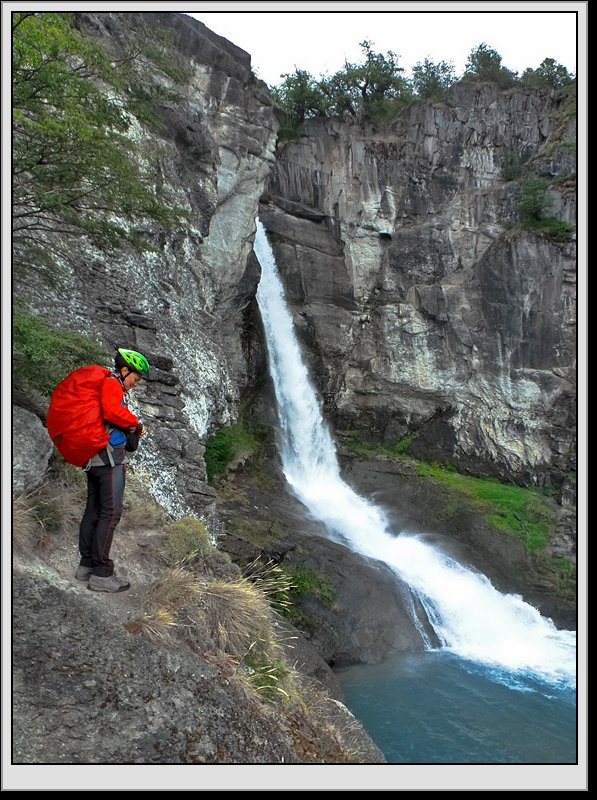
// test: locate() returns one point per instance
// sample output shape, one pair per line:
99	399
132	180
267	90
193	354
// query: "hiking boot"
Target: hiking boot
112	583
83	573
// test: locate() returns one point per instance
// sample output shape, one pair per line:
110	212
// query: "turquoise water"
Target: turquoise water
436	708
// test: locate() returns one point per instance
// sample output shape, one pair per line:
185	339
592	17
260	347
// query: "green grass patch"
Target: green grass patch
566	570
554	229
360	444
271	677
307	582
513	509
229	443
44	355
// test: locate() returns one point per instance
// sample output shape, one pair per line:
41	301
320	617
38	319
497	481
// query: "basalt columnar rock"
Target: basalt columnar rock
424	310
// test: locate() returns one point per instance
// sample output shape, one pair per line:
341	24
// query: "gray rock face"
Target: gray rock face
462	529
31	449
423	313
368	618
89	692
184	304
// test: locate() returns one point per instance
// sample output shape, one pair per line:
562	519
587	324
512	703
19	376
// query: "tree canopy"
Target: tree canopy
376	88
366	89
76	166
299	93
549	73
431	80
485	64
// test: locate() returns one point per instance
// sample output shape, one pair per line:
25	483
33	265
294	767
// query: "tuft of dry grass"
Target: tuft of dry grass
271	580
27	530
334	720
157	625
229	615
174	589
237	616
271	677
184	541
170	604
54	507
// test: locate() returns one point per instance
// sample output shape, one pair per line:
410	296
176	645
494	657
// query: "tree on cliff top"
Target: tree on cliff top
75	165
300	98
485	64
370	90
432	80
548	73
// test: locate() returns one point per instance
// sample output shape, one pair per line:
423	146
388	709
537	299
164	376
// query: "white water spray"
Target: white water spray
470	617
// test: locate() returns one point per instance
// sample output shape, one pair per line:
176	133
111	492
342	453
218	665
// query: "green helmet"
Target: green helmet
134	361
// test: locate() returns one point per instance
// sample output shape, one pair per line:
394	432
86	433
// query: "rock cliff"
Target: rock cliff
183	303
426	312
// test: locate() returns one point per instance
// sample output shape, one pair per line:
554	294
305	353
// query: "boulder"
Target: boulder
31	450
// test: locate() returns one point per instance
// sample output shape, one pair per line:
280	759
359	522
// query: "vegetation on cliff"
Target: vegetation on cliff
527	513
77	163
376	90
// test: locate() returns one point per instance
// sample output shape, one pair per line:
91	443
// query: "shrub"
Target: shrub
532	205
184	541
43	355
511	166
228	444
555	229
534	199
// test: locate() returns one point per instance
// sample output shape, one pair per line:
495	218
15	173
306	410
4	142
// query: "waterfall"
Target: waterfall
470	617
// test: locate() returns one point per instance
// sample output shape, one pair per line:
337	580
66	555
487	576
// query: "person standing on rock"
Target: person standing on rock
106	475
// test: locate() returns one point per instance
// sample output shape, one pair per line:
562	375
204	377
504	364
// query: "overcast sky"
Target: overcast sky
320	40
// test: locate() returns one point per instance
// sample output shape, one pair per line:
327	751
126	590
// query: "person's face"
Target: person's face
131	380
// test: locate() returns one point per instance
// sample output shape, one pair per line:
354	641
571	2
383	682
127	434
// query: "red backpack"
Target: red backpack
75	419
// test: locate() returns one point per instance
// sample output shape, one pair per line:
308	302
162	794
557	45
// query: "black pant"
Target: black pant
105	493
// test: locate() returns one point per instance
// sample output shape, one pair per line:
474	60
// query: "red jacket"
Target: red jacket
114	407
